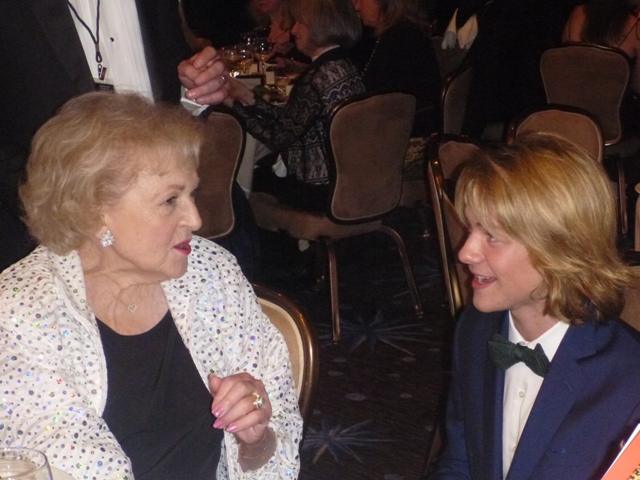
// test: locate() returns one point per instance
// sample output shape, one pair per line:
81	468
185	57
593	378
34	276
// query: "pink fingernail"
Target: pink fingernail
218	411
232	428
218	424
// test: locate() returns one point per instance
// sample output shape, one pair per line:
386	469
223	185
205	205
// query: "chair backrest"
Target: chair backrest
448	58
220	155
571	123
446	158
300	339
455	93
591	77
367	139
631	311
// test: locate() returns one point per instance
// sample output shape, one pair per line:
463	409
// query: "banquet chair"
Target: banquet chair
631	312
366	142
571	123
447	155
453	100
595	78
220	155
301	342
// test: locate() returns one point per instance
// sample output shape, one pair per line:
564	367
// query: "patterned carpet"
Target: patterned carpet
381	388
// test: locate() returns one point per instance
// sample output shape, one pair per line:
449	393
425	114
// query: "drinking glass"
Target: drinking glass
231	57
263	52
246	59
24	464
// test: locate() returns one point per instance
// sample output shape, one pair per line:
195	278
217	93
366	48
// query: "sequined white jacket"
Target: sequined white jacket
53	378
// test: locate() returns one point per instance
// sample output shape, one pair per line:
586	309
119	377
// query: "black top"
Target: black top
158	408
402	59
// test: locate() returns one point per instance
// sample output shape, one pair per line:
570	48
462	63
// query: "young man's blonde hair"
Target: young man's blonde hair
554	199
88	154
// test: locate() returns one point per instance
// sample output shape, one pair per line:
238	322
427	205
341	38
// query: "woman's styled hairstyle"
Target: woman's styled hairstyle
91	152
553	198
393	12
605	21
330	22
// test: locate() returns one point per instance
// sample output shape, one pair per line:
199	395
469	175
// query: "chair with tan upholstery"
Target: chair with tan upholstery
455	93
571	123
447	155
301	342
366	144
595	78
220	155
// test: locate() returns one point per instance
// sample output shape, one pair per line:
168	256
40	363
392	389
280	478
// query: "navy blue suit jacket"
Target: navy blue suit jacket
589	402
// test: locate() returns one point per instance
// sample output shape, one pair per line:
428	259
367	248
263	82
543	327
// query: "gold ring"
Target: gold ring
258	400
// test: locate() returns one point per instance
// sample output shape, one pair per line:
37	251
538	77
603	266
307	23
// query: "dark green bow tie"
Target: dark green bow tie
505	354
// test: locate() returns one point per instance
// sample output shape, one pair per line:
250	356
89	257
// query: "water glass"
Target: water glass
24	464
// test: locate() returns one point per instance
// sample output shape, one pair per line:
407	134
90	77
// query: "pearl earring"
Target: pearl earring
106	240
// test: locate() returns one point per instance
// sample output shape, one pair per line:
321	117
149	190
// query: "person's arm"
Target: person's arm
253	346
50	406
454	464
280	126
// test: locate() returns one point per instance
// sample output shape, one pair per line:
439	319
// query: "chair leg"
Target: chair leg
413	290
333	288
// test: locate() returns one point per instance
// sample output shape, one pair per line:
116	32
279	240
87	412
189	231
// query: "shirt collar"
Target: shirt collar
549	340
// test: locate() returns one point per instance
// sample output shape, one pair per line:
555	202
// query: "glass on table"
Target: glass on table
231	57
263	51
24	464
246	59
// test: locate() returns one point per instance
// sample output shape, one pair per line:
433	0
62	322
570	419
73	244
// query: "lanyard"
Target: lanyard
94	38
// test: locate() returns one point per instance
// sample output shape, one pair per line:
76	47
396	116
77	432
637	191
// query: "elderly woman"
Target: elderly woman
120	327
296	131
545	375
396	54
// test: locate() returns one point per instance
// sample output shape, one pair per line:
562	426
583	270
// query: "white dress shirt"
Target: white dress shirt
521	387
120	43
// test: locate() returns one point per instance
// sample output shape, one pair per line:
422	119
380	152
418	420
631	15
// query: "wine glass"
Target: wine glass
231	57
24	464
263	52
246	59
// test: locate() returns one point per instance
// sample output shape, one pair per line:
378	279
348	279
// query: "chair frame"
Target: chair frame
311	364
513	130
623	221
390	232
211	229
435	178
346	218
463	73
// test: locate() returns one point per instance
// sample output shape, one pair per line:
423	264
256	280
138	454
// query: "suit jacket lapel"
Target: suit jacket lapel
559	392
57	24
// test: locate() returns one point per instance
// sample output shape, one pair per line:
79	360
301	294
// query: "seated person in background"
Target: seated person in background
277	20
296	130
547	276
126	324
395	54
607	22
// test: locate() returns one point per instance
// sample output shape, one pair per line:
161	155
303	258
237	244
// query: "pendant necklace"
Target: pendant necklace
102	71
